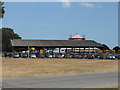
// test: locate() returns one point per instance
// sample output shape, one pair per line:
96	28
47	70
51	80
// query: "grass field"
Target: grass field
20	67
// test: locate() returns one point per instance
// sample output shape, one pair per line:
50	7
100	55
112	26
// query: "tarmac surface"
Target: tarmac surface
87	80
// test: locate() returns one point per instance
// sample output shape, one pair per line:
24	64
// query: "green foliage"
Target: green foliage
2	11
116	48
103	56
7	35
105	47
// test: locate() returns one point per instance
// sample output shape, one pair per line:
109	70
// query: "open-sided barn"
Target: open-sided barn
55	43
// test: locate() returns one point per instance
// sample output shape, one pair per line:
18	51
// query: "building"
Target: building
26	45
76	37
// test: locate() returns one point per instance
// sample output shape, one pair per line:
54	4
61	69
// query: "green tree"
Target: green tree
7	35
116	48
105	47
2	11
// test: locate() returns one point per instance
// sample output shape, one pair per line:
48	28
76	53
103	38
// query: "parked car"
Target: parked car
40	56
77	56
8	54
16	55
110	56
90	56
118	57
68	56
59	55
24	55
50	56
97	55
32	55
102	56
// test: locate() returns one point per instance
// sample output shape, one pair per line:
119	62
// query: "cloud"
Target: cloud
90	5
65	3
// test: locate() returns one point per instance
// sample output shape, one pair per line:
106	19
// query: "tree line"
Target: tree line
6	33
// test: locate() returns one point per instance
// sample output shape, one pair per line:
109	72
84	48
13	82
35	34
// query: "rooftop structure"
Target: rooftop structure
76	37
55	43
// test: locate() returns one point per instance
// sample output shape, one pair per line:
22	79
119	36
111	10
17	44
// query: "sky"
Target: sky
55	20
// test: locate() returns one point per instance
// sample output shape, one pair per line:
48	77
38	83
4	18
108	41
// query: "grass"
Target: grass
21	67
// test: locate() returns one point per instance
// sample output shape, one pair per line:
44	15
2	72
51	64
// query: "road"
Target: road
88	80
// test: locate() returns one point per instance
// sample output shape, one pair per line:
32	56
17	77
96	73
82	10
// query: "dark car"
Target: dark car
90	56
97	55
118	57
40	55
47	55
77	56
68	56
8	54
110	56
24	55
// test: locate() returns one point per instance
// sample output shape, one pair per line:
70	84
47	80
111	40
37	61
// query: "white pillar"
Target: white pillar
28	51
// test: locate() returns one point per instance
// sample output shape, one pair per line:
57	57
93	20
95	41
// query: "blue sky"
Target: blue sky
55	20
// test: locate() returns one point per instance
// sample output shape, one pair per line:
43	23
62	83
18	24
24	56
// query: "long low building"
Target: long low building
27	43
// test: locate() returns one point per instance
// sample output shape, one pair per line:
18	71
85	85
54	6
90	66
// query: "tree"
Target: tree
105	47
116	48
7	35
2	11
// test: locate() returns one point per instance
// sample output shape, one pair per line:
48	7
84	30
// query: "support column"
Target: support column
79	50
89	49
28	51
66	52
72	50
47	48
59	50
93	50
84	49
52	52
12	51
